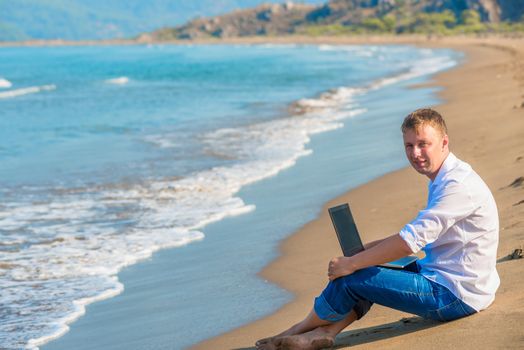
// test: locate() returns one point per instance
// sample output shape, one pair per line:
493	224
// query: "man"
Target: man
458	231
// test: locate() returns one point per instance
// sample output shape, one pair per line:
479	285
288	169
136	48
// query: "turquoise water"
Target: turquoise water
138	101
111	153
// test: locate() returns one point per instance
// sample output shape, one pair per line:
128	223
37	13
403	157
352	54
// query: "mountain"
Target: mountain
265	19
354	16
349	11
105	19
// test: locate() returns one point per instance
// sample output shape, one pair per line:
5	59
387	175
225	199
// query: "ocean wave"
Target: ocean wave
332	99
272	46
427	66
75	242
163	141
26	91
118	81
365	51
5	84
62	326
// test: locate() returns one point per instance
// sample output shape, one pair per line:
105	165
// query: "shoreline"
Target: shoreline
384	39
483	106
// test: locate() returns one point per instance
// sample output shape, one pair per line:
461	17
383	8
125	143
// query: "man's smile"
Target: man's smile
419	163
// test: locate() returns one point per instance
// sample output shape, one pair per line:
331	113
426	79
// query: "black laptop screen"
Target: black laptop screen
346	230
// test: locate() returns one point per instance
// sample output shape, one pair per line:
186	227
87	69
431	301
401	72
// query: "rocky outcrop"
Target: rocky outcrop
267	19
288	18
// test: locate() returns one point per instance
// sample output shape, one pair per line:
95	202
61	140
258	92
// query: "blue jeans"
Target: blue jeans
403	290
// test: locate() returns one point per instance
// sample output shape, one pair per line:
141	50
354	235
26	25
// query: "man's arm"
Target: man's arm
386	250
373	243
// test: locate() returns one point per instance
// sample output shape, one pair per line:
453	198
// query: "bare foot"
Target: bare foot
263	341
271	343
316	339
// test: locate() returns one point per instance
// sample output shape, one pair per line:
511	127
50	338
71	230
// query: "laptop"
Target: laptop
349	238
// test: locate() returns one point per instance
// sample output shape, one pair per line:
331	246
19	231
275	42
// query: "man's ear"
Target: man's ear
445	141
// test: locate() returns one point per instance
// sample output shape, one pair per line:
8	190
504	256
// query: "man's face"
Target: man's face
426	149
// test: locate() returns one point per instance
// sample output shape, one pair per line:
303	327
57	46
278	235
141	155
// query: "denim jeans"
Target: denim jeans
403	290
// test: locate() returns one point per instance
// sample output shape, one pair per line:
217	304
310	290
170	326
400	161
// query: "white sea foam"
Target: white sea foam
163	141
64	251
427	66
26	91
272	46
62	324
355	50
118	81
5	84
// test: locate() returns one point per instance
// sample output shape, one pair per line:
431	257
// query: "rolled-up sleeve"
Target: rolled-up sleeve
445	209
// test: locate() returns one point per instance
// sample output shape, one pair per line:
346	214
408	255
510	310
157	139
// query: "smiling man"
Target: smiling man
458	232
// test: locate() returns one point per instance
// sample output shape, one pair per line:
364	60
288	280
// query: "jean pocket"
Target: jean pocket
452	311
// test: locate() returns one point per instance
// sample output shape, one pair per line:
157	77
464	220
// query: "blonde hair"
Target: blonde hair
424	116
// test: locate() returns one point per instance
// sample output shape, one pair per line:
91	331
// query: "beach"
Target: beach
484	109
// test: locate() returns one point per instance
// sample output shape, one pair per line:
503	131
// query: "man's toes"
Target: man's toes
263	341
271	343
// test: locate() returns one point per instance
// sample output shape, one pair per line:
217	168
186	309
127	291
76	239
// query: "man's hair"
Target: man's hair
424	116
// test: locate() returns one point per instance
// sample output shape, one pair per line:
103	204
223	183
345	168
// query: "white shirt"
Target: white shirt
459	232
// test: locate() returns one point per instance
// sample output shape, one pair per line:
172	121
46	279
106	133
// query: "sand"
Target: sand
484	109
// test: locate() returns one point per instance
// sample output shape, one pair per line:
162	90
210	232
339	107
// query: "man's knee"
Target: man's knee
347	285
342	293
359	278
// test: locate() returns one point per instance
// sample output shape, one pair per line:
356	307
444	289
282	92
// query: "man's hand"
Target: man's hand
392	248
341	266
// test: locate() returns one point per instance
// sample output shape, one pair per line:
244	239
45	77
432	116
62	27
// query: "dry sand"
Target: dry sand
484	109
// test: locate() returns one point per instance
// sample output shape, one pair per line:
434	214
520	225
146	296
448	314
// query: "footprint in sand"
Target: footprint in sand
517	182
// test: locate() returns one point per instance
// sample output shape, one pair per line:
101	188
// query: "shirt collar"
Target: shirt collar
449	163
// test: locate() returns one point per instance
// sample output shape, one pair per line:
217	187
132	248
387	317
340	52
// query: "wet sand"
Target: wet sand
484	109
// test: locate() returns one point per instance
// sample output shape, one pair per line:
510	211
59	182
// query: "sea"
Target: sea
185	162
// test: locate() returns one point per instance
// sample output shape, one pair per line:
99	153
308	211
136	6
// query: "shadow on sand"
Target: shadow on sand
376	333
383	331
